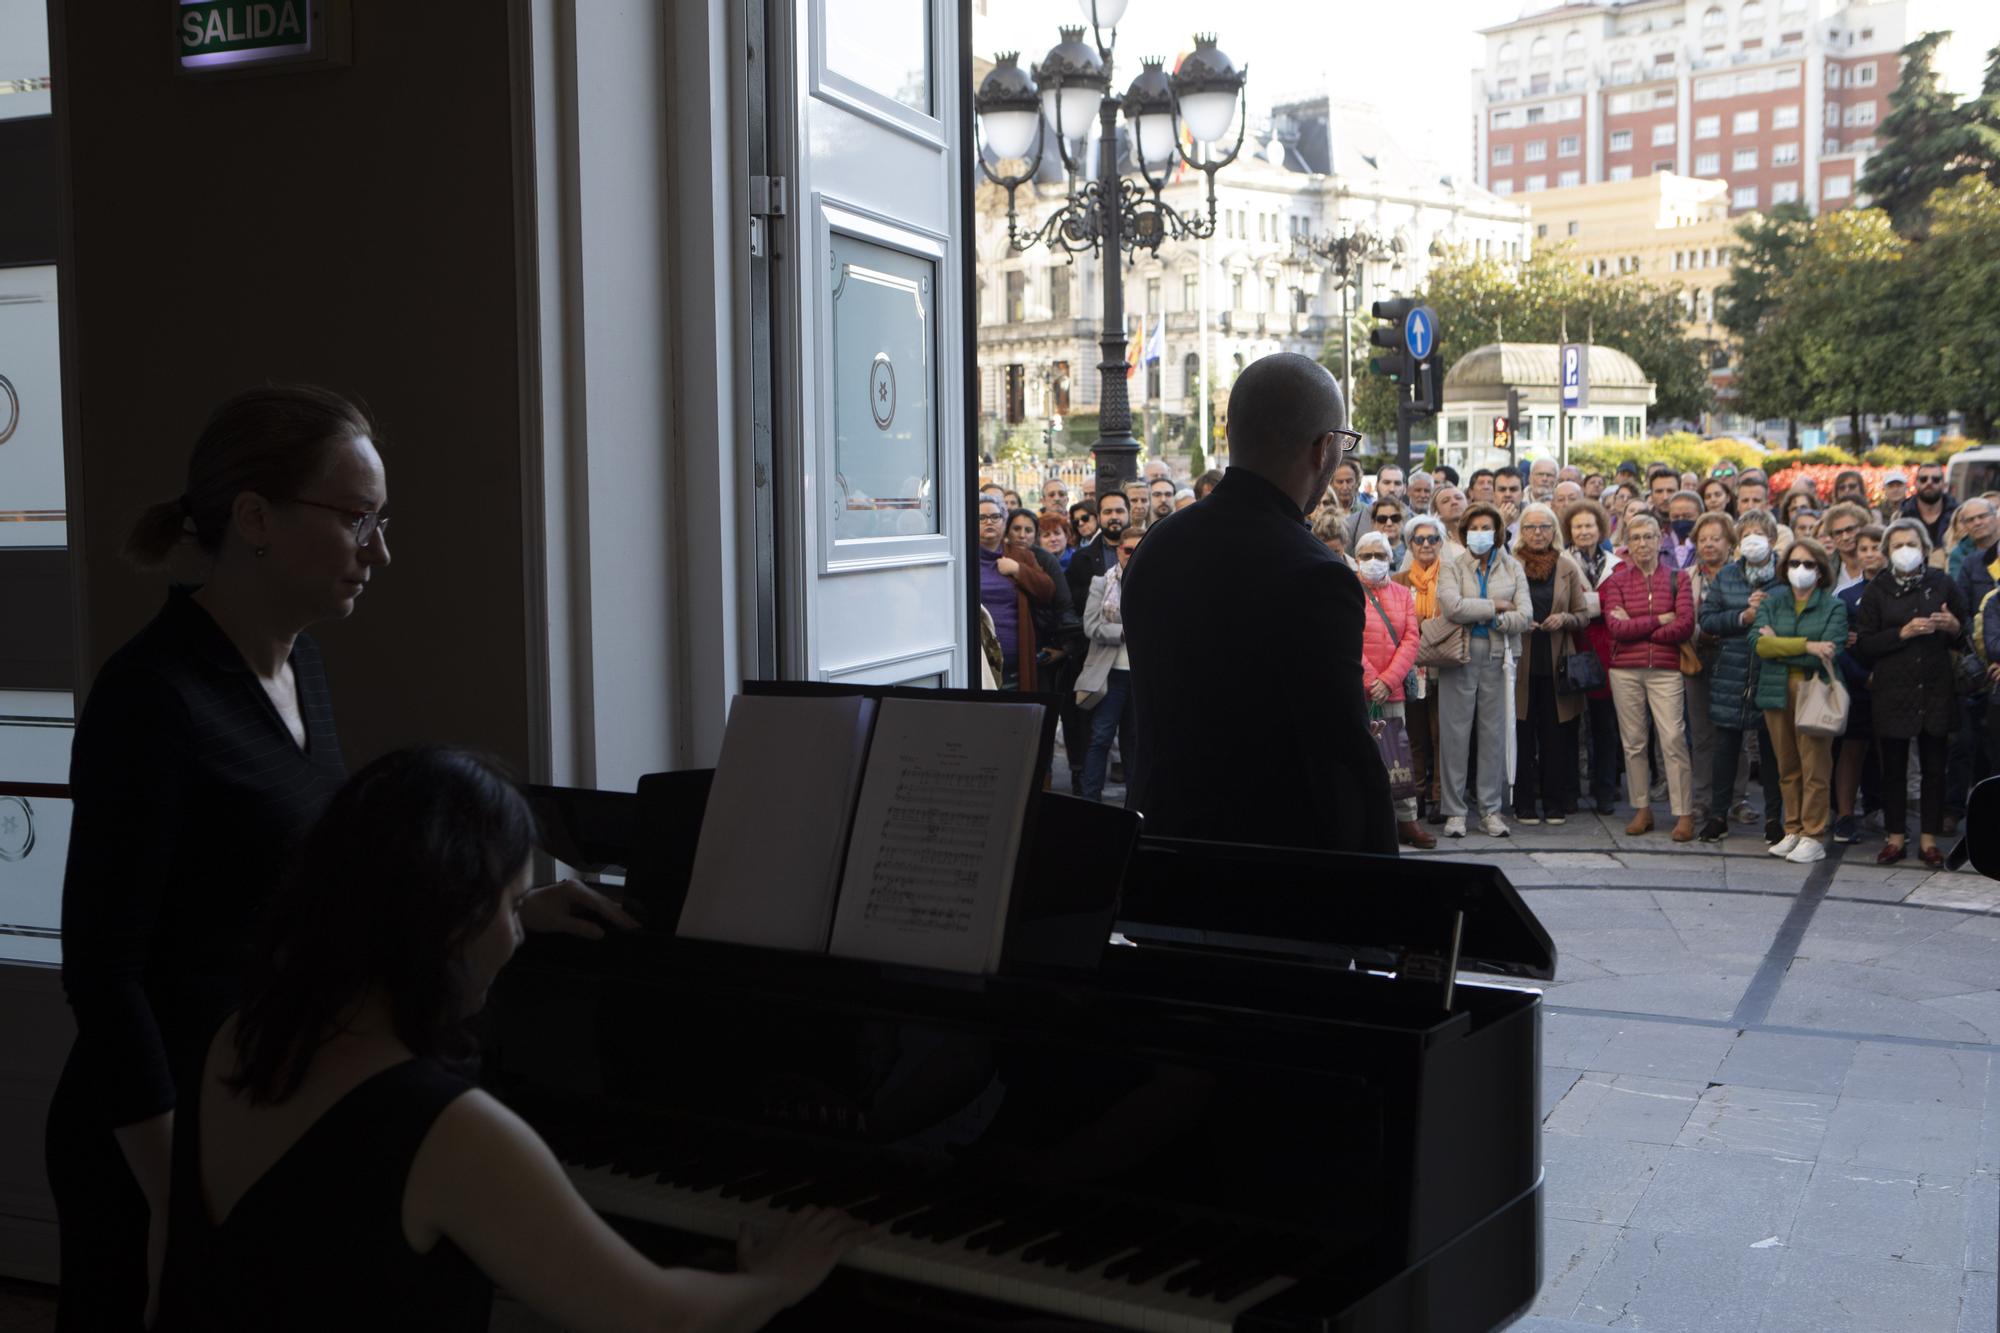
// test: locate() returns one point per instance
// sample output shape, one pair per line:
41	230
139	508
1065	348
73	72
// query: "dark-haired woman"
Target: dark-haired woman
334	1172
204	752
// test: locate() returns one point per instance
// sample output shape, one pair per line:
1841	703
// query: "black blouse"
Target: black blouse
189	795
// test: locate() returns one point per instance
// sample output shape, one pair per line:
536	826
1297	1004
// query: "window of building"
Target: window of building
1784	117
1663	97
1751	13
1569	178
1570	108
1573	77
1539	48
1567	146
1573	226
1503	154
1785	192
1191	376
1707	164
1744	159
1861	114
1708	127
1503	187
1541	231
1058	294
1017	297
1236	291
1745	196
1744	122
1622	71
1191	291
1508	51
1622	172
1573	40
1706	90
1621	141
1663	134
1537	114
1864	76
1833	76
1535	151
1758	82
1785	155
1017	393
1713	17
1502	119
1838	187
1788	77
1537	183
1832	114
1154	305
1619	104
1455	430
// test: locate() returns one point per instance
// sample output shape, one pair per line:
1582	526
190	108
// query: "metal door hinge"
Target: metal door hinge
767	196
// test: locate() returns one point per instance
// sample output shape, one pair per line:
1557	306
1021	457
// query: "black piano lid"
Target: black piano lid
1332	904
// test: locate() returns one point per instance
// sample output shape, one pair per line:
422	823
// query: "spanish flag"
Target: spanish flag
1133	340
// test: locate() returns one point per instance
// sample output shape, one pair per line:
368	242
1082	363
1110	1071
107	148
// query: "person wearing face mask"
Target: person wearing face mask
1797	636
1545	717
1677	542
1241	573
1649	611
1908	627
1388	654
1486	591
1714	541
1729	610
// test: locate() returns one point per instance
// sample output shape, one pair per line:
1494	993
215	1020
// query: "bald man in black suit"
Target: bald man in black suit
1245	638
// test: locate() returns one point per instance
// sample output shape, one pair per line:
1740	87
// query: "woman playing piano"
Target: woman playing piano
333	1171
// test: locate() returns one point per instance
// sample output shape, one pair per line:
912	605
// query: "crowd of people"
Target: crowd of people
1546	632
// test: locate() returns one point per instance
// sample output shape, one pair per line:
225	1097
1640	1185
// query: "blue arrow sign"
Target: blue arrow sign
1420	332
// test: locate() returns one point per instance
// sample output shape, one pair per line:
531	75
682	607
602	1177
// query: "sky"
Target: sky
1411	59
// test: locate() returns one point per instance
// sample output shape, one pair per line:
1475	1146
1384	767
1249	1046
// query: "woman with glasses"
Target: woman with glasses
1545	717
1585	530
1082	523
1485	591
205	751
1425	540
1798	632
1841	525
1104	686
1388	656
1907	634
1386	516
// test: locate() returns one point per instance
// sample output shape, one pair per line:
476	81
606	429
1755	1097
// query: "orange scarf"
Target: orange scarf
1424	584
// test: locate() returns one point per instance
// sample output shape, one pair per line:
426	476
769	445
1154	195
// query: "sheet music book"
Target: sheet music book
768	863
900	847
931	863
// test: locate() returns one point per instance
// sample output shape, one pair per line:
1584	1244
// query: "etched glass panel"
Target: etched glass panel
884	409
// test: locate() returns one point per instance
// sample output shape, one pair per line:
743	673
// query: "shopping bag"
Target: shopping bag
1821	708
1392	743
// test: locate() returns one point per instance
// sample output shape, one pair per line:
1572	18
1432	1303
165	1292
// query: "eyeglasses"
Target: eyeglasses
990	518
1538	527
1389	519
1923	477
1424	539
1349	440
1838	533
363	524
1801	564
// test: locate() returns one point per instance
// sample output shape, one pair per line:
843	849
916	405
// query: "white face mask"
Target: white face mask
1480	542
1906	559
1756	548
1802	579
1374	568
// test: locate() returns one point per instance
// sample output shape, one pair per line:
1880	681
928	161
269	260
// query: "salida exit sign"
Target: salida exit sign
247	34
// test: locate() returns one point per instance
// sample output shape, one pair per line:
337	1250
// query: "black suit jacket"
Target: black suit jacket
1245	640
1089	560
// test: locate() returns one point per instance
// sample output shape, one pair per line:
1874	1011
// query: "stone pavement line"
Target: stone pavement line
1755	1006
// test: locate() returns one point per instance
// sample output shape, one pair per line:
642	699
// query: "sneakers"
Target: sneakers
1455	827
1493	826
1558	818
1642	822
1846	829
1807	851
1715	830
1527	817
1684	829
1786	845
1742	813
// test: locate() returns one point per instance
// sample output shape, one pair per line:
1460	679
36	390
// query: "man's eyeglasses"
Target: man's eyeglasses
1923	477
1348	440
1838	533
363	524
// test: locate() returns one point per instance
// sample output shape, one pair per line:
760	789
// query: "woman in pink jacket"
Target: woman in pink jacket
1649	611
1388	653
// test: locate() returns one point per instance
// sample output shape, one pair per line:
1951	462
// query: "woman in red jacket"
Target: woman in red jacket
1649	611
1388	652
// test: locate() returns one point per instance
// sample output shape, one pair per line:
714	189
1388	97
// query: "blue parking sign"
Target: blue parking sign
1575	376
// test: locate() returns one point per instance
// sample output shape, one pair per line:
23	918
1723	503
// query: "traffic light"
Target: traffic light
1513	417
1389	335
1503	434
1428	391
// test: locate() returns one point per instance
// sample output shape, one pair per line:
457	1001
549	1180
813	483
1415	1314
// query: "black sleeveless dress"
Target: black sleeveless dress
317	1242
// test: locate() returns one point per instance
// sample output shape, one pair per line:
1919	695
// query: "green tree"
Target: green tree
1954	292
1768	250
1841	323
1926	141
1479	301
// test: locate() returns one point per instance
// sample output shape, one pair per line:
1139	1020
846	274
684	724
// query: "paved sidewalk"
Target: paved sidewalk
1770	1098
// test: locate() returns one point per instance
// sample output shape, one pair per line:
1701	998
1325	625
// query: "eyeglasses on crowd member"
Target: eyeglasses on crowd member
333	1168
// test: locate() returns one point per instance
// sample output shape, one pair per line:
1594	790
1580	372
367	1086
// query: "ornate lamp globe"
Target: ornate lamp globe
1149	109
1208	85
1009	106
1072	81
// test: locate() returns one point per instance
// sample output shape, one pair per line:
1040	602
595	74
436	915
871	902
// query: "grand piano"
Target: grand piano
1213	1087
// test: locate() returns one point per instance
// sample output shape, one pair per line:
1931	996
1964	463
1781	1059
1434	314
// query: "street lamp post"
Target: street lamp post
1109	217
1346	253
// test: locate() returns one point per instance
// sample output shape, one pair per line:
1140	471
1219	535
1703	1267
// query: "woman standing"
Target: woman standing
1388	653
1714	541
205	751
1649	611
1053	533
1106	679
1857	742
1728	614
1910	620
1425	541
1585	528
1386	516
1545	717
1797	637
1485	591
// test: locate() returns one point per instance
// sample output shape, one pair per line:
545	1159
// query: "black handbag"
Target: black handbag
1580	673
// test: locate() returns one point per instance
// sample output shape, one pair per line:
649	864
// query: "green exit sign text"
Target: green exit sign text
232	34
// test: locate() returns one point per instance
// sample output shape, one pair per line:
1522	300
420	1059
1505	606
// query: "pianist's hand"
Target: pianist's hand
568	906
797	1259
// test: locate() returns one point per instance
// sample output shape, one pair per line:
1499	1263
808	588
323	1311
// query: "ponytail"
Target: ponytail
153	538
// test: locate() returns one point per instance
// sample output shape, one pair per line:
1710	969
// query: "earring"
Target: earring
261	551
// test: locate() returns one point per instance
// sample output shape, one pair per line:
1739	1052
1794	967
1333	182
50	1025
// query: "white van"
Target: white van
1973	471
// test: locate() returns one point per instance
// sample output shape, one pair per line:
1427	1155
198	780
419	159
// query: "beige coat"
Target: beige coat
1567	600
1459	599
